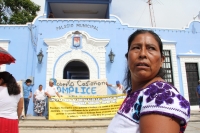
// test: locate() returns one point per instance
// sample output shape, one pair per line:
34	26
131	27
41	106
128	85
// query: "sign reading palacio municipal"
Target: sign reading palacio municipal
77	25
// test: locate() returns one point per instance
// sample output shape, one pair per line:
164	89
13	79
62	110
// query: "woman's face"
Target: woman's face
144	57
40	87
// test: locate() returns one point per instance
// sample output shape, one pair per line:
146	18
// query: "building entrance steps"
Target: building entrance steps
36	124
41	122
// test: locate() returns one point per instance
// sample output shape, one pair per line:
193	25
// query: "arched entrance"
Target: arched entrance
76	70
60	52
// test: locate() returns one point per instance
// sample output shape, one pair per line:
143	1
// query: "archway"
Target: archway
76	70
60	52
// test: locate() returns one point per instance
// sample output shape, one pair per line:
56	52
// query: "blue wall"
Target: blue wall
23	49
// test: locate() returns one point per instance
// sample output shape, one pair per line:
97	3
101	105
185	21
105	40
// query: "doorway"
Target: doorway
76	70
192	80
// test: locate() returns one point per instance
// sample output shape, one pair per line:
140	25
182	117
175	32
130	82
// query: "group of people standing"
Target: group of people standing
40	97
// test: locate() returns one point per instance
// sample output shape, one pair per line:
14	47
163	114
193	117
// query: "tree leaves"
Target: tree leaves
17	11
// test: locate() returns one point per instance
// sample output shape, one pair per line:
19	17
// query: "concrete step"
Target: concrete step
193	127
61	130
41	118
195	112
40	122
63	124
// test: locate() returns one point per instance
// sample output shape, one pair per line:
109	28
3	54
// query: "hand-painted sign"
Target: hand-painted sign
68	87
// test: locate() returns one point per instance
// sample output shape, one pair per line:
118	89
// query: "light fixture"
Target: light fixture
111	56
40	57
80	12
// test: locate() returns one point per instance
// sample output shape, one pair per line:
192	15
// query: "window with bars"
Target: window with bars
167	66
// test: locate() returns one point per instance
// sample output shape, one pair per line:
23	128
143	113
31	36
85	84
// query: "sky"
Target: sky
168	13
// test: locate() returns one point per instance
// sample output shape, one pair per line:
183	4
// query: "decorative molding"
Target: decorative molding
112	16
4	44
60	53
184	60
172	48
76	55
76	19
8	41
190	52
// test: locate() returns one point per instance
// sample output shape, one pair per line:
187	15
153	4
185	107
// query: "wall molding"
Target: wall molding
172	48
60	53
183	60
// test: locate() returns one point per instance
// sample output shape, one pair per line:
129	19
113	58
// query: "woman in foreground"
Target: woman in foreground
11	103
152	105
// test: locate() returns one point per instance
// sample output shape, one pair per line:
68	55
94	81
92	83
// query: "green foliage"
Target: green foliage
17	11
3	17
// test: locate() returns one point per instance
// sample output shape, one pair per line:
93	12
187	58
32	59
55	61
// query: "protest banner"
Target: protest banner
67	87
84	107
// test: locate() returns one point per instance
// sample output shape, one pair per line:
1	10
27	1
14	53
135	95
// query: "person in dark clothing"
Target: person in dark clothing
198	93
51	15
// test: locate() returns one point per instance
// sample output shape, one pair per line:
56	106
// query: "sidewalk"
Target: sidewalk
193	127
194	124
195	116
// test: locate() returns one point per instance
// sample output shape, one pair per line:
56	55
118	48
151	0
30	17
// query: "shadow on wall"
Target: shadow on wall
39	67
108	66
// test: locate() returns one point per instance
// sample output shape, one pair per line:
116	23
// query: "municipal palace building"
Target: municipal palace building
86	41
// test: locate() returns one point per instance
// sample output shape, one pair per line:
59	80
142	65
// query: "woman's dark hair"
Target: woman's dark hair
127	79
9	80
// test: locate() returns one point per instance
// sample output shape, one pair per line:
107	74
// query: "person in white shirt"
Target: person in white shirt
119	87
39	101
11	103
50	91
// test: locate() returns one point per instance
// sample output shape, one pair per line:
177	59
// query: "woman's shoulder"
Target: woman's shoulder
163	93
160	86
163	98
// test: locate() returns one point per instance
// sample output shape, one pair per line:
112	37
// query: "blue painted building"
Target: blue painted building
90	24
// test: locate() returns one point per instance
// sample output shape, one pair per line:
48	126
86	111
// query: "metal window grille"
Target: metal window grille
167	66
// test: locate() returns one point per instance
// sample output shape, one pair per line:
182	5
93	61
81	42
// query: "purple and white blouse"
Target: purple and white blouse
157	98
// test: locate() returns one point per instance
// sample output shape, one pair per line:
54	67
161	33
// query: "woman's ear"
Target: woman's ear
2	81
